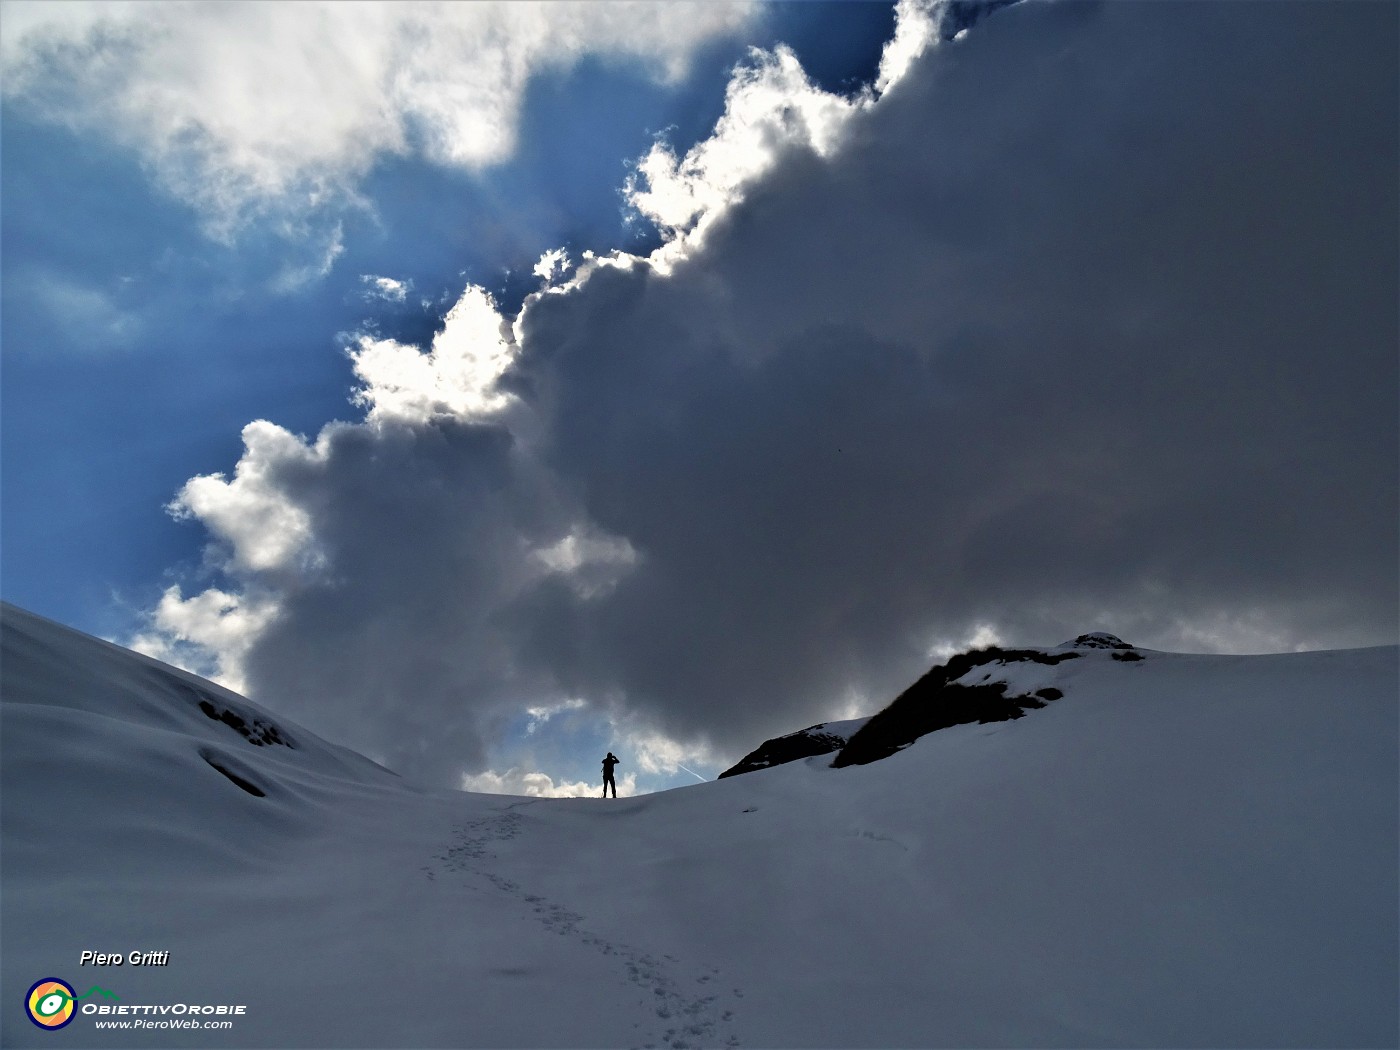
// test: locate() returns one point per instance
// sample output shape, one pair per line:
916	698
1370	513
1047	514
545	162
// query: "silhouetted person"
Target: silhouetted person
608	780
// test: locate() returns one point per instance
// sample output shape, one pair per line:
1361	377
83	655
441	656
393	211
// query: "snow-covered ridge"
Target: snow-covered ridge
77	677
1179	851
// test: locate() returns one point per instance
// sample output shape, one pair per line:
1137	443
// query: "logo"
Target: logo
50	1003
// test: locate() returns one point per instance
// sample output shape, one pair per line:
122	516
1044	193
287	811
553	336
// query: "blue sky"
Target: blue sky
748	478
137	346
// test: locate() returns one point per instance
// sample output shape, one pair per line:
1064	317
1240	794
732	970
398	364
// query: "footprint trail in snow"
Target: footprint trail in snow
686	1017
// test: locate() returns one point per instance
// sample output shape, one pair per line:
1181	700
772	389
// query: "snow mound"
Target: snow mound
149	764
75	677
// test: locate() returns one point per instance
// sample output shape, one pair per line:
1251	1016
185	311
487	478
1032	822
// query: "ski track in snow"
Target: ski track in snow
691	1019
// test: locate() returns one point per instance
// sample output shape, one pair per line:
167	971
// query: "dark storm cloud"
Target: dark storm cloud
1090	324
393	646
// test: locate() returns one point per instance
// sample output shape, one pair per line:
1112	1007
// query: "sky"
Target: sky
487	387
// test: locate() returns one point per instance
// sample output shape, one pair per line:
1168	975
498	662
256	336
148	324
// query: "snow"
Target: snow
842	730
1184	851
1022	677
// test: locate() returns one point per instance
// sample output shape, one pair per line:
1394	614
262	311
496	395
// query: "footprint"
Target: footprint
647	972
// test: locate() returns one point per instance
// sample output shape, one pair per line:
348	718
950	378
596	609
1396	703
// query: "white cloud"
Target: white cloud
187	632
385	288
541	785
979	637
256	516
456	377
541	714
771	106
245	107
553	265
654	752
915	31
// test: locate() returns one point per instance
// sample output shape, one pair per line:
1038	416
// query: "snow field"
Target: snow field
1185	850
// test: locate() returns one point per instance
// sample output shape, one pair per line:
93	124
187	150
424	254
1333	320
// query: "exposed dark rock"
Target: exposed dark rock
1128	656
820	739
1097	640
244	783
258	732
935	702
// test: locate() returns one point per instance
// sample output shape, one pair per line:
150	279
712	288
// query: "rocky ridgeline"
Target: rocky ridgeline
820	739
936	701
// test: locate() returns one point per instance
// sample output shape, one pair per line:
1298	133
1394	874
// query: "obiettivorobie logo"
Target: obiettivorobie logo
51	1002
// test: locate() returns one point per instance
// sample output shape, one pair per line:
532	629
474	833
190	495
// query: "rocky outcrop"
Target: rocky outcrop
820	739
1097	640
938	700
948	695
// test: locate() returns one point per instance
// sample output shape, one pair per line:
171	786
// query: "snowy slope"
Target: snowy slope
1182	850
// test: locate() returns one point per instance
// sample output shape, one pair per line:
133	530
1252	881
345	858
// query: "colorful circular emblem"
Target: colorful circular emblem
50	1003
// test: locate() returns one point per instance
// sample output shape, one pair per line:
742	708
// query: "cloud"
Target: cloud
325	245
189	631
541	785
552	266
385	288
256	518
1086	322
456	378
541	715
591	562
771	108
248	110
91	319
655	753
979	637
